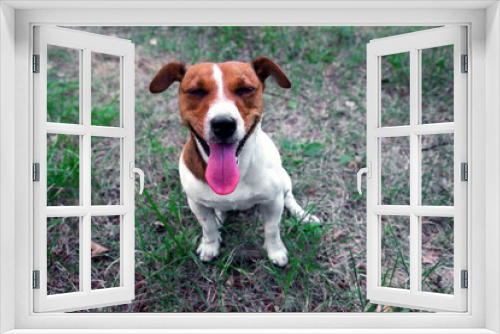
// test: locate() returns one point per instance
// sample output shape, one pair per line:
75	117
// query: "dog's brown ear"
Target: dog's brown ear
265	67
166	76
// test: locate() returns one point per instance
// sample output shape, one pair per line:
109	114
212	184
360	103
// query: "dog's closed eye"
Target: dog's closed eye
244	91
200	92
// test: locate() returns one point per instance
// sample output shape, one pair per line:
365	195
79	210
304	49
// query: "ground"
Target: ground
319	127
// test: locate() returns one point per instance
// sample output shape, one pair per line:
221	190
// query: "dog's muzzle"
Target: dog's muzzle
223	127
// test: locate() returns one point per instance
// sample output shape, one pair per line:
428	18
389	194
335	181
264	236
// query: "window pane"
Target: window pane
395	170
105	171
63	85
63	170
105	89
395	255
437	254
395	89
437	169
437	84
63	255
105	252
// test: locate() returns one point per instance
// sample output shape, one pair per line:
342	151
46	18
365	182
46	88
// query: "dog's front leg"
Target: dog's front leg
271	215
210	243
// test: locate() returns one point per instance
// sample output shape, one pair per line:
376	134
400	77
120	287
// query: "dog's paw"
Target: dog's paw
207	251
278	255
311	219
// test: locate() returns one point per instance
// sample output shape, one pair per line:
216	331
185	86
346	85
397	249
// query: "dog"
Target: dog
228	162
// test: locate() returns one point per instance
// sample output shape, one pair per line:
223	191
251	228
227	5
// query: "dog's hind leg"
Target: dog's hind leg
210	243
271	215
292	205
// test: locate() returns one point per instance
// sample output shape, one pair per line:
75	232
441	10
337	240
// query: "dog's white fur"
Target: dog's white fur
262	181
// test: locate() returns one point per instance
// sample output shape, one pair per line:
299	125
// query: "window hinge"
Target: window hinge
464	171
36	172
36	279
464	279
465	64
36	63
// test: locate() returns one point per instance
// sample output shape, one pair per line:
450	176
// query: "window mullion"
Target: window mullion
415	271
86	161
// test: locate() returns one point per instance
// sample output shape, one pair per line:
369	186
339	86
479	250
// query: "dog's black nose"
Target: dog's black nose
223	126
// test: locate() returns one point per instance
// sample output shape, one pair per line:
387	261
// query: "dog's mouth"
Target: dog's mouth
206	146
222	172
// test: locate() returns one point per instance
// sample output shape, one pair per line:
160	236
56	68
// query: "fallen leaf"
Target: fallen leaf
431	257
97	249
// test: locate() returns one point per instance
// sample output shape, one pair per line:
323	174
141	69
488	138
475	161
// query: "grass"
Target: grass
319	126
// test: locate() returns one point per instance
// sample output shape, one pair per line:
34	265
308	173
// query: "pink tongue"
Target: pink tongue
222	172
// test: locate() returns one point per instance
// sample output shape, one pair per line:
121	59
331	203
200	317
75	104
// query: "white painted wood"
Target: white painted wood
40	156
256	4
424	39
86	297
77	129
419	210
83	40
392	131
415	179
492	163
433	129
256	331
460	156
7	166
85	185
471	322
434	211
127	233
94	210
420	129
392	210
413	43
373	157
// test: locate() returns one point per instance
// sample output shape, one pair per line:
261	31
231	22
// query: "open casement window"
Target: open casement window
416	144
84	164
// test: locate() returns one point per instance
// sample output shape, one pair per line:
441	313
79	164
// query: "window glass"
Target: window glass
63	170
395	253
106	171
438	169
105	252
63	85
437	84
63	255
395	89
105	90
437	255
395	170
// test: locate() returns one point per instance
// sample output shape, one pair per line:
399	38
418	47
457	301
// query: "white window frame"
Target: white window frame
85	43
483	125
413	44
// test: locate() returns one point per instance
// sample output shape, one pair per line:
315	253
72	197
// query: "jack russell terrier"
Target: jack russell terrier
229	163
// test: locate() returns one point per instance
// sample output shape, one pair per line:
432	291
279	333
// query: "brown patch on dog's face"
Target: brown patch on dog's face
193	160
244	89
199	90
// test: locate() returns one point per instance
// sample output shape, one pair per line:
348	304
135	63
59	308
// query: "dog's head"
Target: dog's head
221	104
